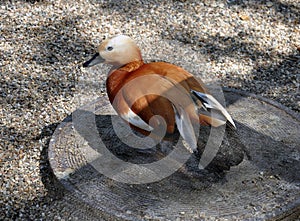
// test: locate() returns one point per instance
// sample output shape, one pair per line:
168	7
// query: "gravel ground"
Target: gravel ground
249	45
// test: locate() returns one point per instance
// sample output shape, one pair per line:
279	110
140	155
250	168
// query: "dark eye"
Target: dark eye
109	48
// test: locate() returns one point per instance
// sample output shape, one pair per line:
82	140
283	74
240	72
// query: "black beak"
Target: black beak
96	59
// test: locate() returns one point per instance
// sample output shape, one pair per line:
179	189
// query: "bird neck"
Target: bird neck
132	66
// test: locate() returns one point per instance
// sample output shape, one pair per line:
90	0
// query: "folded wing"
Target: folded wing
212	109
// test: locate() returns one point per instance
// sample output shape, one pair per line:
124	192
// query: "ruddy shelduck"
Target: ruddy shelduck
139	92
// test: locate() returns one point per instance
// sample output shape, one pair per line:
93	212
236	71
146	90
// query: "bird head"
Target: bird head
117	51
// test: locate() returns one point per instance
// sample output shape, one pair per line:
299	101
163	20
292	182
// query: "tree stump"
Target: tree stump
103	173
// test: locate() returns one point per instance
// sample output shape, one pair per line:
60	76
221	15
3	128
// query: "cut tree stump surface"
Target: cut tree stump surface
266	184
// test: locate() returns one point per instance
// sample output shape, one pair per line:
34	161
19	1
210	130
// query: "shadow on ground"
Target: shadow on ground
273	159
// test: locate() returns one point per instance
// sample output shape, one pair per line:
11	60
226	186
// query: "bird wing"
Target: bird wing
211	112
123	109
213	109
150	95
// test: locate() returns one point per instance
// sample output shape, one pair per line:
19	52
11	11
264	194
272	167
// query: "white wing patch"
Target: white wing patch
185	127
209	102
135	120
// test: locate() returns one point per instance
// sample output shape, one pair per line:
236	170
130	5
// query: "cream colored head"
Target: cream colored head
117	51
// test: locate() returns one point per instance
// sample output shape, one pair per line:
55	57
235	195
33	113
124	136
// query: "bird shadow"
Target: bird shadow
273	159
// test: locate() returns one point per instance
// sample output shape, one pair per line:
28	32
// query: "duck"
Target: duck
157	97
